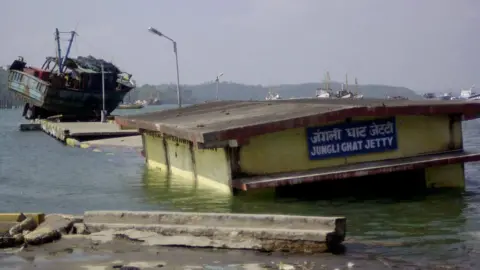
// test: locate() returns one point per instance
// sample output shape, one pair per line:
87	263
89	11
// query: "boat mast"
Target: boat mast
346	81
356	86
327	82
59	50
72	33
103	115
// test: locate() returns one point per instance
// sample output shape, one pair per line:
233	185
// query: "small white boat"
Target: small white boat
467	93
272	96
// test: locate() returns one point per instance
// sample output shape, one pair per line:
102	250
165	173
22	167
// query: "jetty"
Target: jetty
86	134
281	144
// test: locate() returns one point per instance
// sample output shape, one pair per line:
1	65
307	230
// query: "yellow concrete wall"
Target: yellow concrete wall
287	151
449	176
457	134
154	151
180	159
211	166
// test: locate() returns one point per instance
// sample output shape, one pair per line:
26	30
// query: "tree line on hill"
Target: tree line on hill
237	91
166	93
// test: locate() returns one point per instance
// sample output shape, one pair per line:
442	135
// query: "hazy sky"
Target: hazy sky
421	44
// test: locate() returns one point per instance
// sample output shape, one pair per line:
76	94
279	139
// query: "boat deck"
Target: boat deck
212	122
356	170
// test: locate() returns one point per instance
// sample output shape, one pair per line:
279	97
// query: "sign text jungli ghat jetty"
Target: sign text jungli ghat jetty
352	138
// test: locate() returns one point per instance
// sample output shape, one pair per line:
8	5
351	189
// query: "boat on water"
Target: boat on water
126	106
397	97
447	96
468	93
68	86
326	91
272	96
129	105
429	96
444	96
154	102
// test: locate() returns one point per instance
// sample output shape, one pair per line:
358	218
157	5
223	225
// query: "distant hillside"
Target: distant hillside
236	91
5	96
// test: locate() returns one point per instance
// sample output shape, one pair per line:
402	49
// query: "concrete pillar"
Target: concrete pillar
448	176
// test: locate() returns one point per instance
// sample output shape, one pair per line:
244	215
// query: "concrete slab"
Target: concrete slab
130	141
238	231
77	134
356	170
238	120
213	219
79	130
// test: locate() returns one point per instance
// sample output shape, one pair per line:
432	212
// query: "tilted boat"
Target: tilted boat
68	86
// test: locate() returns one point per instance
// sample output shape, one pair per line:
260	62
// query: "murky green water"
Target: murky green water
38	173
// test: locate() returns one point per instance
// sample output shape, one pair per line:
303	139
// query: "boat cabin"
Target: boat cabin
82	76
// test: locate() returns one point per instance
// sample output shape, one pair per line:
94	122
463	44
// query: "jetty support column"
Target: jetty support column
184	159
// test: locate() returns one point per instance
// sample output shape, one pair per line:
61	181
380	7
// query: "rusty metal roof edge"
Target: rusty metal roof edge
192	136
471	110
245	184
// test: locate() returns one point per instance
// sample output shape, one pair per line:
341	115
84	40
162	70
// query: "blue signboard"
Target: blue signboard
352	138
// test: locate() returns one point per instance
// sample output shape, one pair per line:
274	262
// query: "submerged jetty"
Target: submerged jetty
281	144
86	134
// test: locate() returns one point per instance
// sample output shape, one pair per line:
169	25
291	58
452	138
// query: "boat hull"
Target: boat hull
54	101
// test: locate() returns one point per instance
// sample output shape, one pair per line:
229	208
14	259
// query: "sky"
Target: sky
426	45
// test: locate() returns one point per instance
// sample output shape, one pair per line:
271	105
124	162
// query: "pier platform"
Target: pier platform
86	134
258	144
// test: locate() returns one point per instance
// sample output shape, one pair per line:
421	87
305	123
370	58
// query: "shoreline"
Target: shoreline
79	248
80	252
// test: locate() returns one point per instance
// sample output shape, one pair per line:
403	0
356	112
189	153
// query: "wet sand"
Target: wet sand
80	252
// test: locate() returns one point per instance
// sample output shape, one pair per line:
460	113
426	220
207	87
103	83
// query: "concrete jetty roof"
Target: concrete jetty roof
220	121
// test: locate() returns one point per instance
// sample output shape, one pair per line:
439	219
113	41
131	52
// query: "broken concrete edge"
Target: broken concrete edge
259	234
27	231
217	231
224	219
233	241
327	231
18	217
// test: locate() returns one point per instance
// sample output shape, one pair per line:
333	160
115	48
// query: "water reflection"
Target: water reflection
432	219
179	194
425	224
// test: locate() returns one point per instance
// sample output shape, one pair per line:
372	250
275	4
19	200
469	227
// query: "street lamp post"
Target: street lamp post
158	33
218	82
103	115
